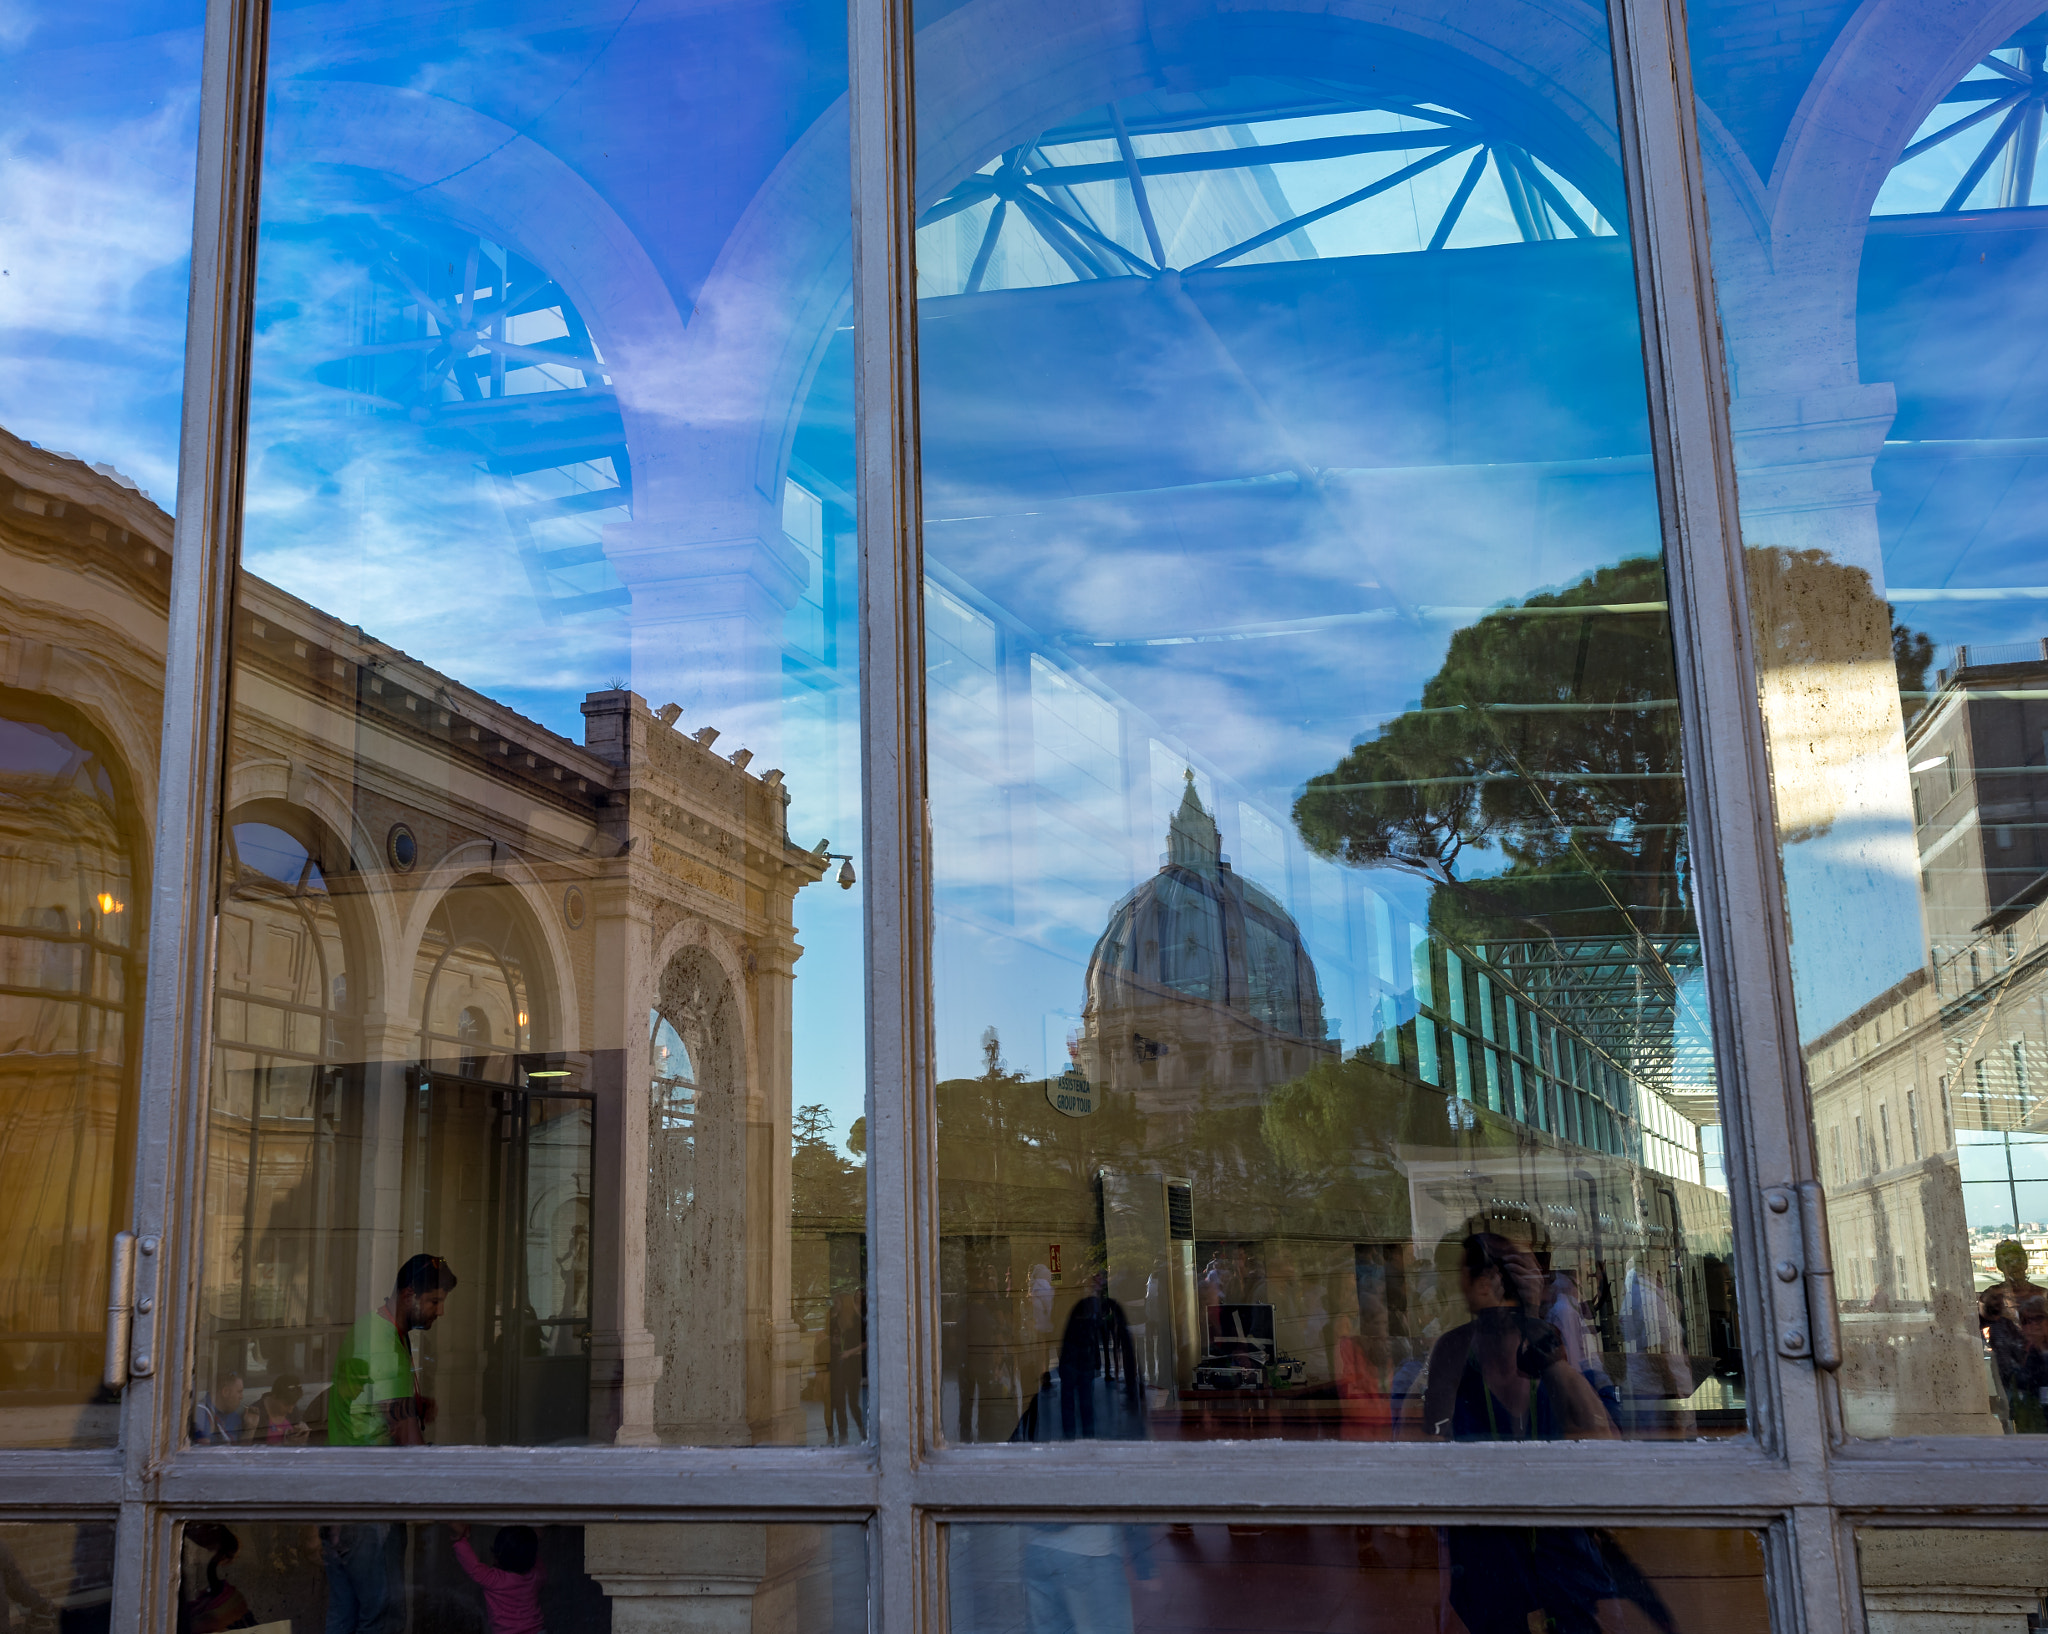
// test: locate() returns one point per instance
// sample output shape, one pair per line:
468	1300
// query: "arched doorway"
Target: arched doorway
497	1159
698	1235
72	896
287	991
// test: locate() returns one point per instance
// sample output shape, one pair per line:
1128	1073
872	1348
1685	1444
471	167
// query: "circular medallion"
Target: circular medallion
572	907
401	848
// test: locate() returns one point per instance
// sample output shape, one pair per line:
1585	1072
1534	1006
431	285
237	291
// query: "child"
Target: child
275	1417
206	1603
512	1585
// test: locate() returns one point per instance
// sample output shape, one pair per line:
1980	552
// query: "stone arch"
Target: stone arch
766	311
1788	285
125	716
478	861
367	917
252	780
488	176
697	1210
691	934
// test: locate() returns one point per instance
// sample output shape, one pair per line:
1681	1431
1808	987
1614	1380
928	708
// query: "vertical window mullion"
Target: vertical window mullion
176	1032
902	1200
1727	777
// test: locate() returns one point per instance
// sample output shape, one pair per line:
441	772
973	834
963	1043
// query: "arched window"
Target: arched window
281	1033
283	970
69	970
1980	147
475	973
672	1107
1253	171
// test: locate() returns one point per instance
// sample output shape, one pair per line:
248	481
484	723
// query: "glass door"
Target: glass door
539	1266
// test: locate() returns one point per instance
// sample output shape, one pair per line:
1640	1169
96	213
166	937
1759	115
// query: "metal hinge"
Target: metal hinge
131	1294
1803	1311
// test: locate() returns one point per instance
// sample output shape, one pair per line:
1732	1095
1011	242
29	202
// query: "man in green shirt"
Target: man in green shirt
375	1399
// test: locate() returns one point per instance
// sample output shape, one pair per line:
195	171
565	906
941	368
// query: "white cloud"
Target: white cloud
95	233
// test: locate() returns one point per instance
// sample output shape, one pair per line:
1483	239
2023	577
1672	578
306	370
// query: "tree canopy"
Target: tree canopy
1537	781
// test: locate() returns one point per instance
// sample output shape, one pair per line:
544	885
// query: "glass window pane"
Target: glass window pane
357	1577
1320	1011
96	166
1090	1579
537	1112
57	1574
1890	455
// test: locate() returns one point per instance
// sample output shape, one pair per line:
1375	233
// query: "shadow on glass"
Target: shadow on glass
1321	1014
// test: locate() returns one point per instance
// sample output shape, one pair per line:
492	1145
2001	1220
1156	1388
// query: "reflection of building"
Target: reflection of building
1237	1157
1200	982
450	943
1927	1100
81	697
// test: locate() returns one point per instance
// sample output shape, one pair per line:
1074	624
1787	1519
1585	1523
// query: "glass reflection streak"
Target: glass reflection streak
1312	888
547	576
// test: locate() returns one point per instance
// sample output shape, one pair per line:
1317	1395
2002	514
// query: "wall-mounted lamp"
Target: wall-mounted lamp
845	868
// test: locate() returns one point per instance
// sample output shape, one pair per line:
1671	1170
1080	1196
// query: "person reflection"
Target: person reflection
846	1374
1363	1411
275	1418
1507	1375
512	1580
362	1560
208	1603
2023	1368
2011	1260
217	1419
1076	1577
375	1400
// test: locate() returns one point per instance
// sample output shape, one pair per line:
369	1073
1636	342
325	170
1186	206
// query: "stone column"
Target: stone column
686	1578
624	1363
1952	1582
390	1046
776	1353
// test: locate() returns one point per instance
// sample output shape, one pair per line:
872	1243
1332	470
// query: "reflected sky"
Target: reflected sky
96	152
1215	471
500	418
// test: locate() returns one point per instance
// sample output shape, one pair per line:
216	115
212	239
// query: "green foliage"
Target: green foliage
1549	742
812	1123
826	1191
1912	657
